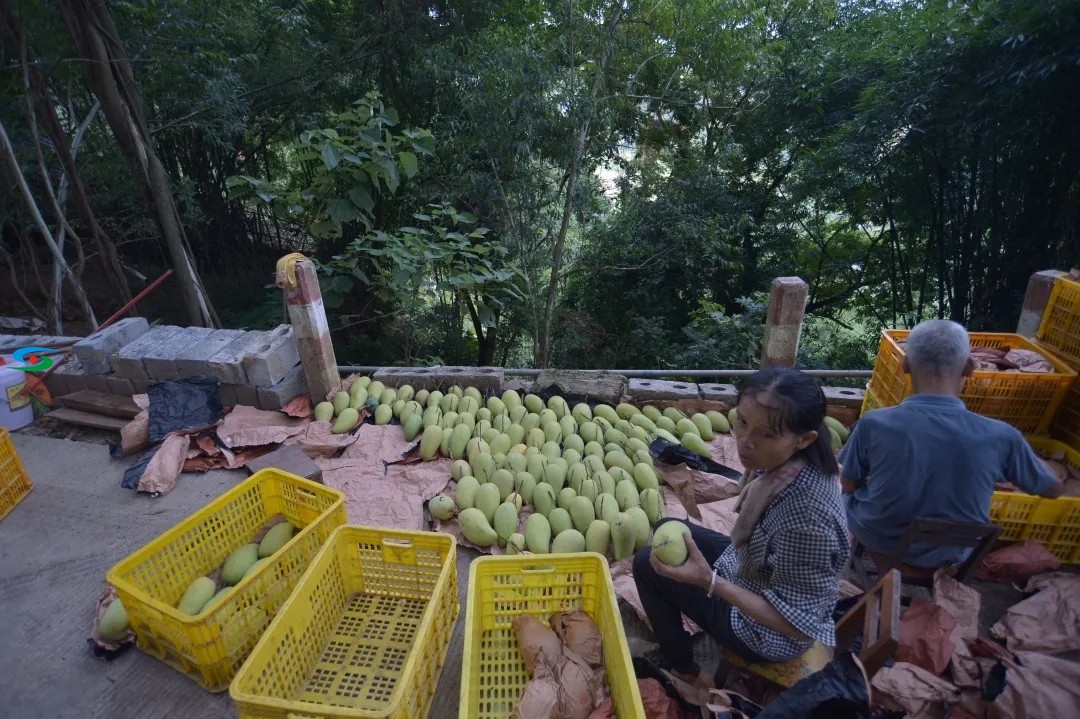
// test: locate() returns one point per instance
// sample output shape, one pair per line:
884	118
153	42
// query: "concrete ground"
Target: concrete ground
55	549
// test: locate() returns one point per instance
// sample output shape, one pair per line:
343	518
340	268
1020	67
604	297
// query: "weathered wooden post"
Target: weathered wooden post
297	277
783	327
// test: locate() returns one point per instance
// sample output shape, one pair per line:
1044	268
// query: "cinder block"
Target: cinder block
844	396
140	386
94	351
69	378
160	361
582	385
720	393
127	362
227	393
246	395
644	390
120	386
192	361
291	386
521	386
267	365
228	364
98	383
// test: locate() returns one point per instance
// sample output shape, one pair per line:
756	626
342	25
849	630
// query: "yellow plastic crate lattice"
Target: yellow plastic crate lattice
210	647
493	675
364	634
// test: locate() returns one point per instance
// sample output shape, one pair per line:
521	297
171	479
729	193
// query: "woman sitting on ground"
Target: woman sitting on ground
766	592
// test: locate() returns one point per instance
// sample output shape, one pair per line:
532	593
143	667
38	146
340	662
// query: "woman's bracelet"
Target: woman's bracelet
712	584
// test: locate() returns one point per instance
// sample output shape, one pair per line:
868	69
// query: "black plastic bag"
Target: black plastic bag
178	404
839	691
671	453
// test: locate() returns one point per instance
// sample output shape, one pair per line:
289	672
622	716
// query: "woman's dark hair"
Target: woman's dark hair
797	404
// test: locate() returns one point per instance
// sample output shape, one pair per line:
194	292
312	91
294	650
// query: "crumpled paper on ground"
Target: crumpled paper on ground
1047	622
910	688
1017	560
299	406
925	636
1038	686
135	435
249	427
317	439
378	493
165	466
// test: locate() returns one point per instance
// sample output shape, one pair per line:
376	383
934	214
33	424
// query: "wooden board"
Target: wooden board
87	419
88	400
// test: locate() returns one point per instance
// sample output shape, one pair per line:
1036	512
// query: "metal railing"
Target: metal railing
646	373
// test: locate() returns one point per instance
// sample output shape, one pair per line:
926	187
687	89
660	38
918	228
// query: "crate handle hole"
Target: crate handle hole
538	569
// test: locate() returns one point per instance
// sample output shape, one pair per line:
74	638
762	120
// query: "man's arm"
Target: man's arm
1025	470
854	460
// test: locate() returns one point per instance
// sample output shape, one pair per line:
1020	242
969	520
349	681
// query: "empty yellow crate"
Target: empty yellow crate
493	675
210	647
1027	401
365	633
1060	325
1053	522
870	402
14	482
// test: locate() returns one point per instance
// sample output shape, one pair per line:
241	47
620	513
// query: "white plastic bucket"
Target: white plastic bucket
15	408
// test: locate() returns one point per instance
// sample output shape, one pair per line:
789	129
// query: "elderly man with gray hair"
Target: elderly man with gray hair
929	456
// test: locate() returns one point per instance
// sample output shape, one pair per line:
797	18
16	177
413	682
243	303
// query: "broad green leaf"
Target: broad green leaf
362	198
408	163
342	210
330	157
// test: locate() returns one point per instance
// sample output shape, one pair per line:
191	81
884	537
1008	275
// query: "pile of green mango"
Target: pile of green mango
203	593
387	403
586	472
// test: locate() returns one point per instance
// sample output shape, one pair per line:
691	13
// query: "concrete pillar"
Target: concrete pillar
308	316
1035	300
787	304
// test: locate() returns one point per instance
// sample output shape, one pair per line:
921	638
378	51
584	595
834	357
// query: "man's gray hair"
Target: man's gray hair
938	347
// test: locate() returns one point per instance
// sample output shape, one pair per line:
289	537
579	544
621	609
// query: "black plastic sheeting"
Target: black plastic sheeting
176	405
839	691
670	453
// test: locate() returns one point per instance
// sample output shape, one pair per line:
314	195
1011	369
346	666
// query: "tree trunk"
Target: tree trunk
543	343
90	26
43	228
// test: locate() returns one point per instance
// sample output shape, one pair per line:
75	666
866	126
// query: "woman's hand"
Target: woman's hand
695	570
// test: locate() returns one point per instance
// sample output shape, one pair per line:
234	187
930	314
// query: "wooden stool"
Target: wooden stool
876	617
936	532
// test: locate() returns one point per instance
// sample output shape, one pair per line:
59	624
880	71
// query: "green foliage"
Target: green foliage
341	169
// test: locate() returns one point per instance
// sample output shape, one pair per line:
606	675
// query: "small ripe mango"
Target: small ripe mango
476	527
430	441
537	534
441	506
598	537
641	527
275	539
238	563
696	444
515	544
622	536
383	414
341	402
412	427
544	499
114	622
505	522
560	521
324	411
346	420
200	592
465	494
668	544
704	426
487	500
568	542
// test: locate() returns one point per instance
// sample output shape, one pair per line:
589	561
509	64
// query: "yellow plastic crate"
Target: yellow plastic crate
1060	325
1028	401
1053	522
365	633
869	402
15	484
501	588
1066	423
210	647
